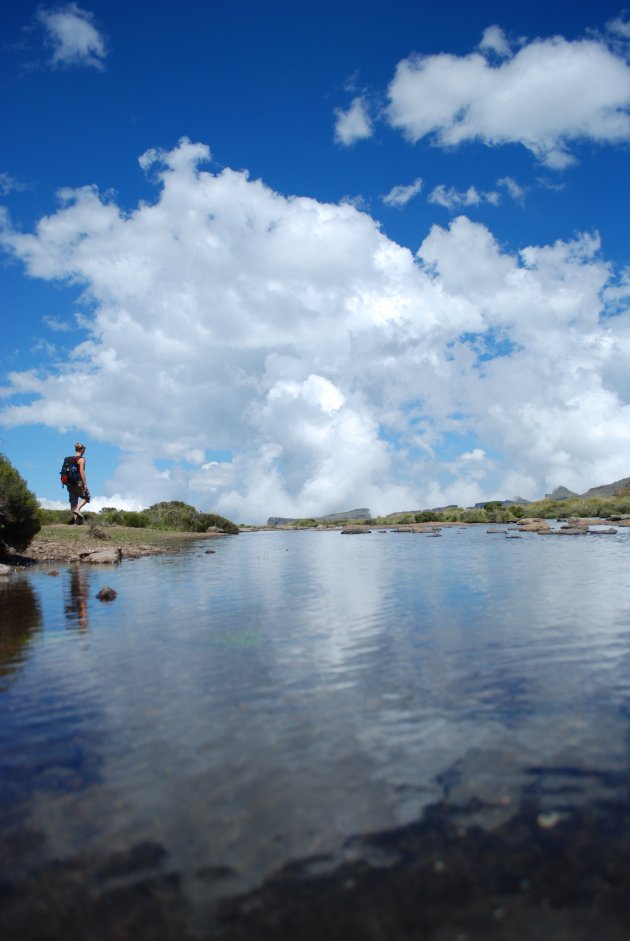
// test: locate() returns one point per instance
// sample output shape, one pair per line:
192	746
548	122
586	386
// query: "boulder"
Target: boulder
354	531
533	525
97	533
102	556
5	569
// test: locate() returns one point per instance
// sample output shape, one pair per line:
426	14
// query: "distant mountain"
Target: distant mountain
362	513
607	490
561	493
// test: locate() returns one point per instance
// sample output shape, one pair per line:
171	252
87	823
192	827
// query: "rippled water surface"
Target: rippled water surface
266	702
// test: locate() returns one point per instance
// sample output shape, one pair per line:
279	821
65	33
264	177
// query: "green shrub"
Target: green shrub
427	516
213	519
134	520
182	517
473	516
111	516
19	510
49	517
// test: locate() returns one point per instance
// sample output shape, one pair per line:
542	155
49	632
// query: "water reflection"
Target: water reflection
20	619
264	703
76	604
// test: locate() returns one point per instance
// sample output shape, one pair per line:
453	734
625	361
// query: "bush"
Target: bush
49	517
134	520
111	516
473	516
19	510
182	517
427	516
213	519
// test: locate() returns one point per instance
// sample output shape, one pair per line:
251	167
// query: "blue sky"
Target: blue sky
280	259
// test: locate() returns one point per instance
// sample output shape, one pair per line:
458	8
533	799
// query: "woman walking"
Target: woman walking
78	490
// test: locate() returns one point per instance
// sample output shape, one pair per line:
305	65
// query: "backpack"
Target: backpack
69	472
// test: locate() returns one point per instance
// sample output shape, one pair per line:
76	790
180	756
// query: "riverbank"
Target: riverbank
63	543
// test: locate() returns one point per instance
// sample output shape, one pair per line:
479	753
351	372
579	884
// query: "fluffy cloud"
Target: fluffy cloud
74	38
353	124
549	94
451	198
494	40
322	361
399	196
620	26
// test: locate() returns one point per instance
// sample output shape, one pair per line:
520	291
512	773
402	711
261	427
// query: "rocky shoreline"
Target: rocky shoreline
100	545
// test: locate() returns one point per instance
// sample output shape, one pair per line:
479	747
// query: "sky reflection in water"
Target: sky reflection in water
269	701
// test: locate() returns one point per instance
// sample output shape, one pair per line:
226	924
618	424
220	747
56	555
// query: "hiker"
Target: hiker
78	490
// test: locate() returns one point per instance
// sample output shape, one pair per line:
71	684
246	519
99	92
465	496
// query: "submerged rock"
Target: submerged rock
565	531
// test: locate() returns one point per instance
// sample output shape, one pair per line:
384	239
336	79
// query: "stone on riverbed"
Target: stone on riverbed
106	594
102	556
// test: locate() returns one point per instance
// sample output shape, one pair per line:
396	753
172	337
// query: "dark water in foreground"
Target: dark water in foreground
278	700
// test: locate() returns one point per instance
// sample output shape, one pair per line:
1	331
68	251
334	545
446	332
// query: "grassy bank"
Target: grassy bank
60	542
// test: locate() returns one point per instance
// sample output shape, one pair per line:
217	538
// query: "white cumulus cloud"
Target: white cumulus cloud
323	361
354	123
495	40
551	93
74	38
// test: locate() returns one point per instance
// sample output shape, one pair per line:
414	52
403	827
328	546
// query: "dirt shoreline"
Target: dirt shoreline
63	543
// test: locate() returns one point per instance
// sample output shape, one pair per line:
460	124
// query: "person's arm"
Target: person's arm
81	463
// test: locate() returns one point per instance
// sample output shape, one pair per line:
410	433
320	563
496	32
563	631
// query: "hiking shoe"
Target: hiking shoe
71	521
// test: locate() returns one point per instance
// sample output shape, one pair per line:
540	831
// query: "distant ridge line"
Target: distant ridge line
362	513
604	490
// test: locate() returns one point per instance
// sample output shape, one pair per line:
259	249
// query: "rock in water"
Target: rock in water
106	594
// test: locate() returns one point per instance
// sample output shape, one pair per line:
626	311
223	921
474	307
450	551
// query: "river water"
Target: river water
280	697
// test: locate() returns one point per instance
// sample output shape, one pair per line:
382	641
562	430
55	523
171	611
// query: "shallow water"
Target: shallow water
279	698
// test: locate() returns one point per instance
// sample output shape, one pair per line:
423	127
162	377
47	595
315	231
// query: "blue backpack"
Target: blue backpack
69	472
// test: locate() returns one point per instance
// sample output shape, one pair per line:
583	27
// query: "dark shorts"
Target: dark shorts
77	492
